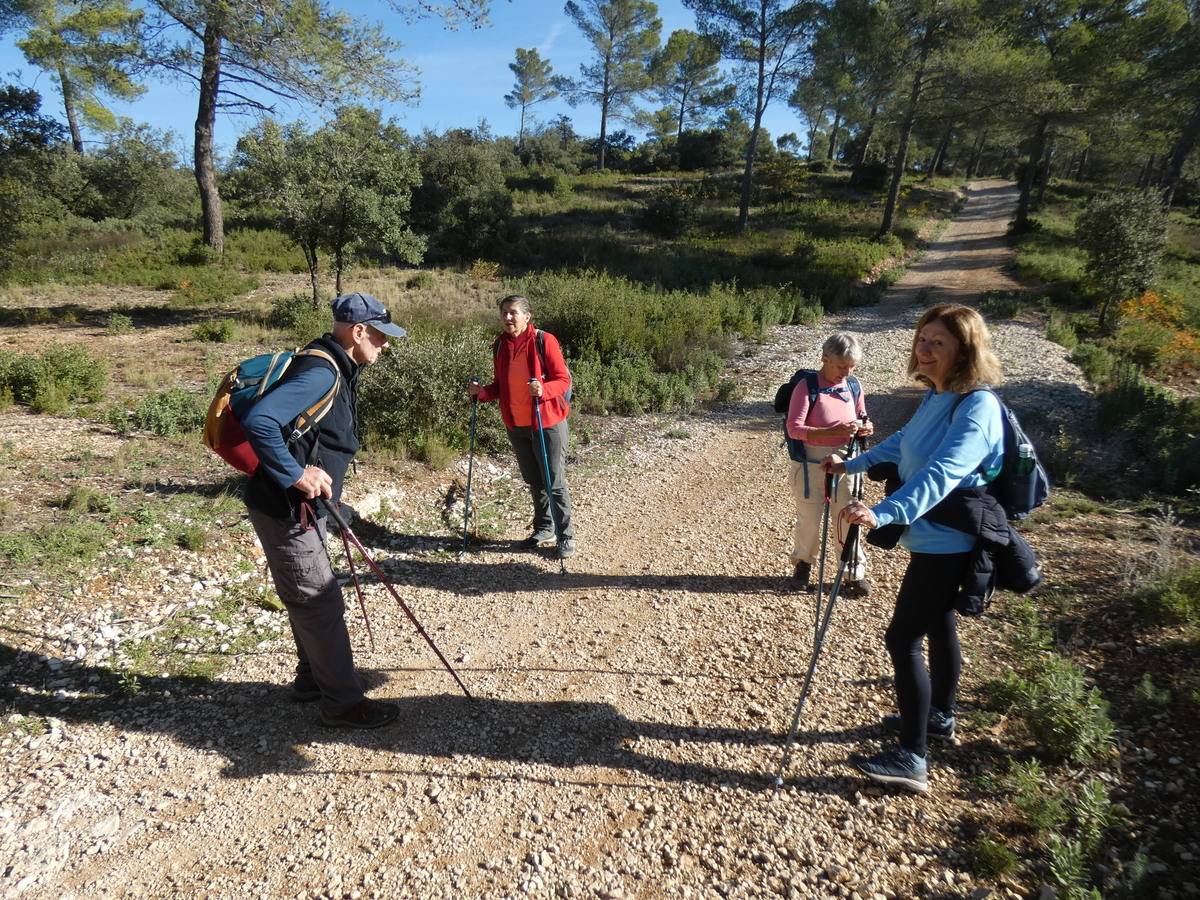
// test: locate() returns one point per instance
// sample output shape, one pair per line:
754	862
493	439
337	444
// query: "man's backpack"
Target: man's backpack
242	388
783	399
539	343
1022	484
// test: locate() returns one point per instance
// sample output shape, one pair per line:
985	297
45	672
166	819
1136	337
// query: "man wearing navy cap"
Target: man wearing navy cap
295	470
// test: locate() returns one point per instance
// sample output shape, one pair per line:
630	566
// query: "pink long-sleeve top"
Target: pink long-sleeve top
832	407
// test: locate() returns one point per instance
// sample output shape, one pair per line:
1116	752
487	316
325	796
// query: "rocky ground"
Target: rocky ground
629	712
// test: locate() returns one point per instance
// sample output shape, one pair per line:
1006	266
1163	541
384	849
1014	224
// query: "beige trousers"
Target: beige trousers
806	537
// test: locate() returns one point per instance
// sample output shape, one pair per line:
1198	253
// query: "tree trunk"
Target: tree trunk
68	95
910	118
940	153
1143	181
206	117
1179	153
310	257
521	130
682	113
833	132
604	117
1082	167
860	159
1031	166
812	135
1044	178
977	155
748	175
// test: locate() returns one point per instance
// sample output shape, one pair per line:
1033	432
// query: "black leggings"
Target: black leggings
925	606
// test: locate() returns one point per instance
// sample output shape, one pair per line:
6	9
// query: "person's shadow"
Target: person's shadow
256	727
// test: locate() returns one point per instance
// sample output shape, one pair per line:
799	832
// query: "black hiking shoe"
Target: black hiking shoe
940	726
801	575
366	713
566	548
540	538
304	689
896	766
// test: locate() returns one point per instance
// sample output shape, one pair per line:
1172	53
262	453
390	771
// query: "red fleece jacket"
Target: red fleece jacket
521	353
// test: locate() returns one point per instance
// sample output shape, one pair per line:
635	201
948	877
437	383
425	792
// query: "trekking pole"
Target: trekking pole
362	603
824	543
847	551
470	466
341	523
537	411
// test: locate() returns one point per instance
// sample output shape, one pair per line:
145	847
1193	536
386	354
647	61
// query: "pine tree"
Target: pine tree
90	50
624	34
535	84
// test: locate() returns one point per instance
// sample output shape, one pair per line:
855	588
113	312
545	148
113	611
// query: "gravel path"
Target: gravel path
630	712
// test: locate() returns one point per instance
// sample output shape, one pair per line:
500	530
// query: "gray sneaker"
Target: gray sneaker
940	726
538	539
896	766
566	548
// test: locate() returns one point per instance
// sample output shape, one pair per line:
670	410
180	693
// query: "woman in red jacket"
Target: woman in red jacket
528	365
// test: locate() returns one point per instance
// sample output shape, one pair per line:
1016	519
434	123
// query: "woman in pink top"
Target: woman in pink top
825	425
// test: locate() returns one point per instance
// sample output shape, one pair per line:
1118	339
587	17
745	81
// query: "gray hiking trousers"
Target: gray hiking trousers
528	448
306	584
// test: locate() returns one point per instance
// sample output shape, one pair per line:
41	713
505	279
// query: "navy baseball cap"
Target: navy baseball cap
363	308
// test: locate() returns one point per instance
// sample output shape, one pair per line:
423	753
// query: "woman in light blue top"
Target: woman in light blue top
954	440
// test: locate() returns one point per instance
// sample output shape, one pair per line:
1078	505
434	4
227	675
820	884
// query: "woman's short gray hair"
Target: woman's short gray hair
842	345
520	301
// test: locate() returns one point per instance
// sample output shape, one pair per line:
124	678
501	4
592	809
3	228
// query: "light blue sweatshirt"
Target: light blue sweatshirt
935	455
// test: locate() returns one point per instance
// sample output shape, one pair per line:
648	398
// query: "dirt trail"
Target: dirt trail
630	713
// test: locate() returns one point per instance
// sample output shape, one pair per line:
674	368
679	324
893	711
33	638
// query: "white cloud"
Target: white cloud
551	39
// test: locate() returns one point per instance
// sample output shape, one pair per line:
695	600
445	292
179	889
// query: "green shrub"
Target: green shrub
1068	720
1124	234
671	210
990	859
415	395
1100	366
1041	806
421	281
118	323
297	316
192	537
1000	304
165	413
1142	342
1062	332
51	381
82	499
211	284
214	331
1171	600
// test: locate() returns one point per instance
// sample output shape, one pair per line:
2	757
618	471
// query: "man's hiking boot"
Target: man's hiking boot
801	575
859	587
939	728
304	689
896	766
540	538
366	713
566	548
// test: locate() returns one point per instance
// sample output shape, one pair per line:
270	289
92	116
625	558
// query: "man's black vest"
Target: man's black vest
331	445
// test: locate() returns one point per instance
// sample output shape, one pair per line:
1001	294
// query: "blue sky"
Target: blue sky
464	74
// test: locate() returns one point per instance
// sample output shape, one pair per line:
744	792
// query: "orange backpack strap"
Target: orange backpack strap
311	417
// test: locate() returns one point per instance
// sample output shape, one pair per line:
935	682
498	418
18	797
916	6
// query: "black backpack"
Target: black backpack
1022	484
783	399
539	342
